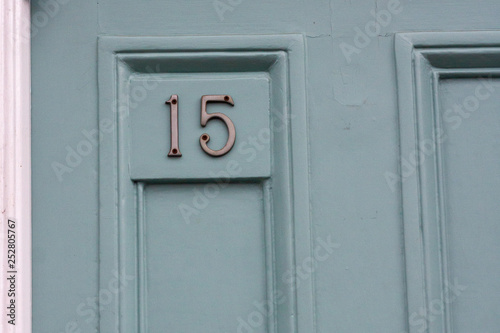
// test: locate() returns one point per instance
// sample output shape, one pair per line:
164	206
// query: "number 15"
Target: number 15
205	118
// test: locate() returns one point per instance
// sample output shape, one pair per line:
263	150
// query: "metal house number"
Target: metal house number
205	118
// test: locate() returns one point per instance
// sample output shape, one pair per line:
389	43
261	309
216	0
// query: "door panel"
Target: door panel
264	75
315	209
250	116
471	162
449	172
201	276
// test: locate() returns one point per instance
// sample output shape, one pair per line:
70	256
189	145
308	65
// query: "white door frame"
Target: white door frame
15	161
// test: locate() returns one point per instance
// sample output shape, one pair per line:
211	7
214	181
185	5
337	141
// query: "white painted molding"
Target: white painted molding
15	159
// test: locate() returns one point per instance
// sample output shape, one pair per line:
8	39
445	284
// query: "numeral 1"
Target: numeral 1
174	126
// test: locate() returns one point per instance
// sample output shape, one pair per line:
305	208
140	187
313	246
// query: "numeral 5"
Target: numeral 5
206	117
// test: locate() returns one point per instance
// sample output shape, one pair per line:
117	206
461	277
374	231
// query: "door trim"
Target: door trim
15	156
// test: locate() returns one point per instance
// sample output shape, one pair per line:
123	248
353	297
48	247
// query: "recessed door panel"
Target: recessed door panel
204	275
210	240
450	178
471	183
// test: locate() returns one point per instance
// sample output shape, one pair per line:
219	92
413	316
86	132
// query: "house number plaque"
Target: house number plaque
205	118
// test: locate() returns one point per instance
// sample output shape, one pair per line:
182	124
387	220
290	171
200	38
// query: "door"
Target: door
265	166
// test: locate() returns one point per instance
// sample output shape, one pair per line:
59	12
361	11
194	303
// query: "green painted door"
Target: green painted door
266	166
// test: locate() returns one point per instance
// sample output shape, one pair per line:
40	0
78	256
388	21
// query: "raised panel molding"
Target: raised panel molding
280	173
423	59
